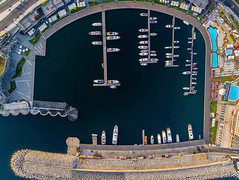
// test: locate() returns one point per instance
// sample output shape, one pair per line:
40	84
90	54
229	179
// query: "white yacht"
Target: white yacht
97	24
143	14
186	88
159	138
153	18
185	22
186	72
143	54
112	33
143	47
99	81
153	34
113	49
112	37
142	36
169	135
152	139
97	42
143	42
164	137
103	138
190	132
143	30
113	81
177	138
95	33
115	135
143	59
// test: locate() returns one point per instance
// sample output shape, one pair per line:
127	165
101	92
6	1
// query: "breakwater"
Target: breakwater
33	164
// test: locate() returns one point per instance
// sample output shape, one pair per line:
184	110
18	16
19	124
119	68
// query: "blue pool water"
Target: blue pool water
214	60
213	34
234	93
228	52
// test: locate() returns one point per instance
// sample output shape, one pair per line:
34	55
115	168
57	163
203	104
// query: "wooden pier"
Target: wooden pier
112	85
170	63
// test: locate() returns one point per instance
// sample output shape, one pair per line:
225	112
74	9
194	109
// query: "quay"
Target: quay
106	83
54	108
170	63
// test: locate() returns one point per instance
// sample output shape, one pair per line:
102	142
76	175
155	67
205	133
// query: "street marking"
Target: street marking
29	62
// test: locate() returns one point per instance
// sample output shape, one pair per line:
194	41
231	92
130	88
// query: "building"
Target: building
199	3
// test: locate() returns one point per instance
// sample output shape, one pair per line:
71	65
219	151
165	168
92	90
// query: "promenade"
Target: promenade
157	8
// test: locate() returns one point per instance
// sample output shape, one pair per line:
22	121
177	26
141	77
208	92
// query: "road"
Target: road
233	5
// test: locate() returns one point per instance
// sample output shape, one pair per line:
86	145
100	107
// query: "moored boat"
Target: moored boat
153	34
154	59
112	33
164	137
103	138
177	138
113	81
115	135
112	37
142	36
143	42
143	14
113	49
143	64
143	59
169	135
95	33
185	22
159	138
153	22
99	81
190	132
152	139
169	26
153	18
186	72
143	54
186	88
153	55
143	47
97	24
144	51
97	42
143	30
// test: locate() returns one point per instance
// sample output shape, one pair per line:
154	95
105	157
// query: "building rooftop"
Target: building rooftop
200	3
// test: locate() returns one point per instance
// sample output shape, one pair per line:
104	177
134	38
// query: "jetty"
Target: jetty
191	85
54	108
104	65
170	63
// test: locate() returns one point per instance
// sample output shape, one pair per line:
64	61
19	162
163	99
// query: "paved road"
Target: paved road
7	4
16	12
233	5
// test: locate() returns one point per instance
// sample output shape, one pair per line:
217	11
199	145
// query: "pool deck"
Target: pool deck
157	8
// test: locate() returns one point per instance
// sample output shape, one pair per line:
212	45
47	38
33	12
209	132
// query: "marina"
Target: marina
170	63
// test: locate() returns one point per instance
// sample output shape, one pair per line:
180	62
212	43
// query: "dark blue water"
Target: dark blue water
149	98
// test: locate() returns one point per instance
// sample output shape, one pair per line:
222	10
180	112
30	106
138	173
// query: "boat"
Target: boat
152	139
95	33
193	78
97	24
142	36
143	54
99	81
186	72
190	132
103	138
176	55
143	30
189	49
194	83
188	60
194	74
112	33
176	41
169	26
159	138
97	42
189	38
143	64
168	54
143	42
143	14
195	53
189	42
115	135
176	47
113	81
169	135
187	65
143	47
177	28
177	138
195	63
112	37
168	47
186	88
195	68
152	51
185	22
153	34
113	49
153	55
145	140
154	59
153	22
199	137
144	51
164	137
153	18
143	59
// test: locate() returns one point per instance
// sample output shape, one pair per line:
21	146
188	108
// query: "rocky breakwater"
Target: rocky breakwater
33	164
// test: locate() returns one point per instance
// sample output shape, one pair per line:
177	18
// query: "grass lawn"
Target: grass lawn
157	2
45	29
34	40
145	1
213	132
213	106
98	3
224	79
77	9
58	20
230	38
177	8
2	64
13	86
20	64
26	53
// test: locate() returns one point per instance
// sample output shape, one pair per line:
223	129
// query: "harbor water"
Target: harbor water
149	98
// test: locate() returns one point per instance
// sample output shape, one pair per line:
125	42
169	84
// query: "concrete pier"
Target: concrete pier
143	135
111	85
171	62
149	42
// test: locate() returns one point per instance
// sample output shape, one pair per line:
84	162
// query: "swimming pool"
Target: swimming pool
213	33
234	93
214	60
227	52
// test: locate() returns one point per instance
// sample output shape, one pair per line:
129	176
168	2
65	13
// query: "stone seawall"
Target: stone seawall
32	164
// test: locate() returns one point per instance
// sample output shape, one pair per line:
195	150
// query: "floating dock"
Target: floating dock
112	85
170	63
